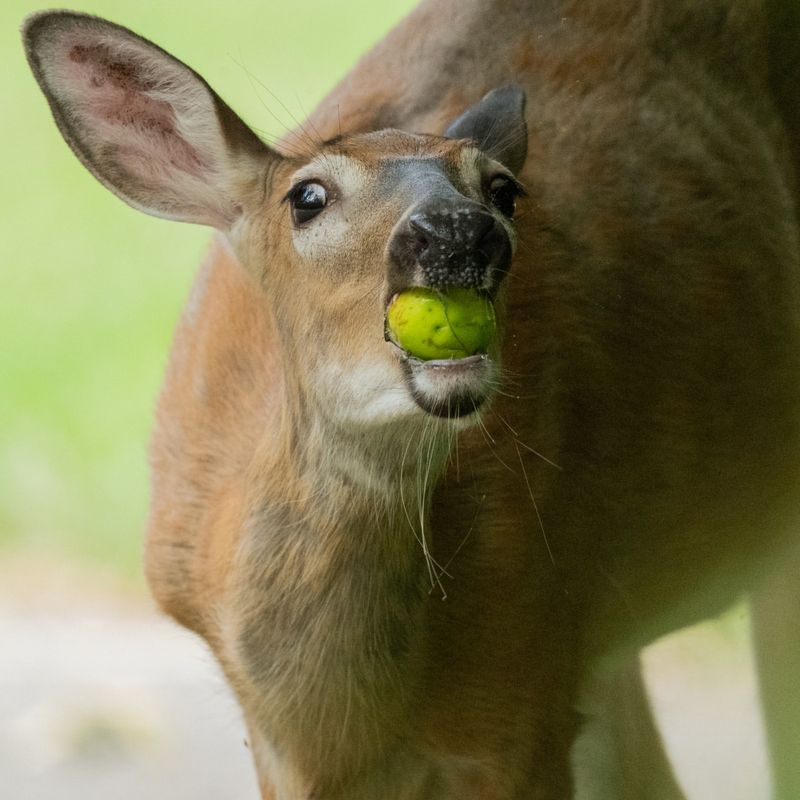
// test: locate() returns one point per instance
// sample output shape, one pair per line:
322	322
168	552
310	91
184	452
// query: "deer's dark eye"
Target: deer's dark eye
503	193
307	200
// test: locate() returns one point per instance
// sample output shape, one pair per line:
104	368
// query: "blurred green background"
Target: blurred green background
91	289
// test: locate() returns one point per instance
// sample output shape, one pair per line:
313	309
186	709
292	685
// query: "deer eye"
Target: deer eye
307	200
503	192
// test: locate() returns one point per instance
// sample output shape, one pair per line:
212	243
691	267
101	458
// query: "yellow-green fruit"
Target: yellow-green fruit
430	324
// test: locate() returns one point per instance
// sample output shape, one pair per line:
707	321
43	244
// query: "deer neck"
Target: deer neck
332	631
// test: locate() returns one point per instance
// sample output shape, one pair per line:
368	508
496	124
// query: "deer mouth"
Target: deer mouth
449	388
442	340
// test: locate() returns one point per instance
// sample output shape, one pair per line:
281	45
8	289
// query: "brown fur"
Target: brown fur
638	470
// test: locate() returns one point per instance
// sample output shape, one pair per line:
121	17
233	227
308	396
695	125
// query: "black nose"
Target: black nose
460	230
452	244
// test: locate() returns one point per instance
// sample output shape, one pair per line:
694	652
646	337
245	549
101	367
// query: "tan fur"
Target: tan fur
637	470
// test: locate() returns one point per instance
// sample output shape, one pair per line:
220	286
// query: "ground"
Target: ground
101	697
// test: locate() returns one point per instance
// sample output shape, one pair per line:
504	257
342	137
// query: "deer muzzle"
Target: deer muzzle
449	243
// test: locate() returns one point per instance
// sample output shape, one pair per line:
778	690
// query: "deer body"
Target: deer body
668	381
410	606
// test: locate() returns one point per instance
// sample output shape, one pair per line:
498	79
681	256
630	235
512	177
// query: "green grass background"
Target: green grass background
91	289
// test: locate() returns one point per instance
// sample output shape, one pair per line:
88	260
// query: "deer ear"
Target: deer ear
497	125
144	124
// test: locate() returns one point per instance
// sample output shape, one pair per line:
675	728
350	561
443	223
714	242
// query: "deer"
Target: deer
432	579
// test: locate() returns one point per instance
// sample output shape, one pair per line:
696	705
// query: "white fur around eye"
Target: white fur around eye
343	178
474	167
471	165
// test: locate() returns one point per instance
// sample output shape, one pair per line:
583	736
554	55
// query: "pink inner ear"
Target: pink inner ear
115	90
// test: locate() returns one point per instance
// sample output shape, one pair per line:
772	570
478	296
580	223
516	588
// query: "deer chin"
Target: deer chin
368	392
449	388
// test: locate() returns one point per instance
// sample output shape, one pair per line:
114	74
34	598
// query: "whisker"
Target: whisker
489	441
433	566
535	506
468	534
308	121
526	446
419	536
312	144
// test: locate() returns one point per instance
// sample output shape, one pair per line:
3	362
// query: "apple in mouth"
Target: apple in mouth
443	338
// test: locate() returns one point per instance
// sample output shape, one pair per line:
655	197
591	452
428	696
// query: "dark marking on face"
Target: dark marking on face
449	241
448	238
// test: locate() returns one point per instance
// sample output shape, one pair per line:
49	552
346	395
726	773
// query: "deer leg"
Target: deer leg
775	610
619	754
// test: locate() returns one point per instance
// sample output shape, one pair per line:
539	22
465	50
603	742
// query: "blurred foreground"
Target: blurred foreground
100	697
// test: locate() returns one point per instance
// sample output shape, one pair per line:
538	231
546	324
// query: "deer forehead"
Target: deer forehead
371	188
384	159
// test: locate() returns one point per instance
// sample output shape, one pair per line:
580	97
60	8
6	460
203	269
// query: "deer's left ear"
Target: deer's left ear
497	125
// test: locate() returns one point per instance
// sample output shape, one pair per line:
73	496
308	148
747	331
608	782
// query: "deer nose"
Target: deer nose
460	231
453	244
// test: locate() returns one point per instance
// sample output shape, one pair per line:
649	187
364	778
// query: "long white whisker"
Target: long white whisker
526	446
535	506
490	441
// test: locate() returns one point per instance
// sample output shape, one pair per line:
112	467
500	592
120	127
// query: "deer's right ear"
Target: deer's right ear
146	125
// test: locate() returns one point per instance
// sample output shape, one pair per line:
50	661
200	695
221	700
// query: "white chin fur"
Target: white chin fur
378	393
369	393
456	386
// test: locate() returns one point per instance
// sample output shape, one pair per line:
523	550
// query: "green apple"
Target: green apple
429	324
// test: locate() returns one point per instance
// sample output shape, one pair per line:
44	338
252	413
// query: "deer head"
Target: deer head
331	235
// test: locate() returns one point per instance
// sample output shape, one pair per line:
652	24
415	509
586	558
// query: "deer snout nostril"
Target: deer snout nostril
422	232
451	244
459	230
480	226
